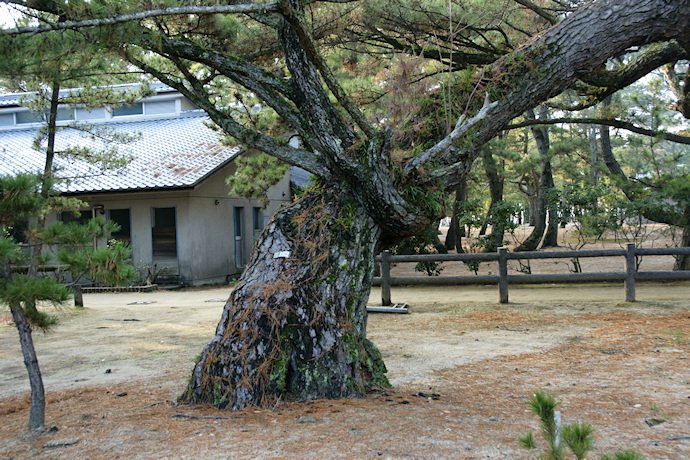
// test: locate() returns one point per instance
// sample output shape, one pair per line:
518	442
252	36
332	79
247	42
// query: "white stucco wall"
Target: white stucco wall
204	225
212	227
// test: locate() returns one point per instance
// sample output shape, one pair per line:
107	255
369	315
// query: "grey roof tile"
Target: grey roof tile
172	152
14	99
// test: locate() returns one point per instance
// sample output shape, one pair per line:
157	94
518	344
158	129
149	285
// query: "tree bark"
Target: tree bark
495	178
683	261
551	236
541	137
38	400
456	231
295	324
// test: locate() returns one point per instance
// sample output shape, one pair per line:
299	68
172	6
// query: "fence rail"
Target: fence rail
503	279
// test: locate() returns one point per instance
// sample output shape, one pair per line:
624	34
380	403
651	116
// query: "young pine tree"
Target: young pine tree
26	288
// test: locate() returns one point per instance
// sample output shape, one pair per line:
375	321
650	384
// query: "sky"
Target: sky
6	15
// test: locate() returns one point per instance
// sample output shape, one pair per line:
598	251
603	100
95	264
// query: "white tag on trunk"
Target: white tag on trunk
281	255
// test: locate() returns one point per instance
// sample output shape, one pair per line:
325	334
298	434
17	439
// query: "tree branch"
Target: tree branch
243	8
325	71
682	92
269	88
540	11
461	127
604	83
565	53
254	139
606	122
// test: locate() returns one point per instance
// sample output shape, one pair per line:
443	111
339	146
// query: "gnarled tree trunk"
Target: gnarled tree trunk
295	324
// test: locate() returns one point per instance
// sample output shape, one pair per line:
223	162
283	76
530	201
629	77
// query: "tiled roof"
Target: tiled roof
9	99
14	99
175	152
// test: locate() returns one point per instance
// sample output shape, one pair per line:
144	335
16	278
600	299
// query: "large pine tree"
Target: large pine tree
295	325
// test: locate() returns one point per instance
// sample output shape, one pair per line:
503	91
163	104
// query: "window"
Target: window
164	234
258	222
159	108
81	219
134	109
28	117
239	237
65	113
122	218
90	114
7	119
19	231
186	105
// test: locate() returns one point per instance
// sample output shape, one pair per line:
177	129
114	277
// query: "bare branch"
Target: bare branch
243	8
606	122
540	11
265	85
461	127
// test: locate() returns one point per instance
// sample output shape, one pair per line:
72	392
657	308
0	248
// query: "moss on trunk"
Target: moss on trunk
295	325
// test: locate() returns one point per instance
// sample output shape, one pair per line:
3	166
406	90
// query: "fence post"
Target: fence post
78	295
385	278
503	274
630	273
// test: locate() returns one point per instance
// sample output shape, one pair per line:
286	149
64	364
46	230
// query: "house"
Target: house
170	200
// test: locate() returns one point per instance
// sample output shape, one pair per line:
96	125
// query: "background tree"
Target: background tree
295	325
21	199
43	67
25	286
644	159
546	196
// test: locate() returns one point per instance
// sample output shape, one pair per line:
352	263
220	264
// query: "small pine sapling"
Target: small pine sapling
579	437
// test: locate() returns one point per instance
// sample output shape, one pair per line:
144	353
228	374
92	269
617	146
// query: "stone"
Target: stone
304	419
60	443
654	421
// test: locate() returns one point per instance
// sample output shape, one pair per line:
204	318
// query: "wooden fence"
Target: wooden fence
503	279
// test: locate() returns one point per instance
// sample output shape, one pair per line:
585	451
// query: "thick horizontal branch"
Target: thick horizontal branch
605	122
582	43
459	59
597	86
122	18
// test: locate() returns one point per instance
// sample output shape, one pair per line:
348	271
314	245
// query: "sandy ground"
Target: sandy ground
461	367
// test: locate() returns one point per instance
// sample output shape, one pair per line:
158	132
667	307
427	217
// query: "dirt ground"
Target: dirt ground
461	367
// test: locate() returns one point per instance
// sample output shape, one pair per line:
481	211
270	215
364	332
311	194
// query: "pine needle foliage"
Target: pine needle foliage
543	404
578	437
255	174
527	441
27	291
623	454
